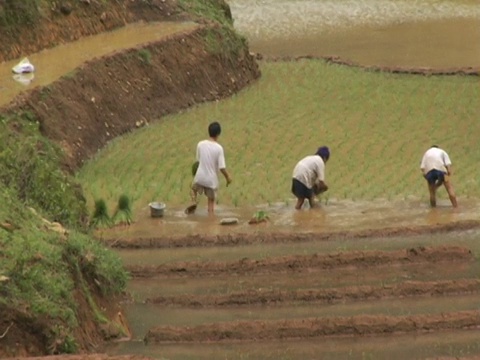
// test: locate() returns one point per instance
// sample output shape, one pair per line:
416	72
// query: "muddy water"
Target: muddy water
147	316
333	216
397	347
427	33
467	239
54	63
143	289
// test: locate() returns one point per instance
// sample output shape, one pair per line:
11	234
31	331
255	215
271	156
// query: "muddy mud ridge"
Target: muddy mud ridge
237	239
296	263
290	293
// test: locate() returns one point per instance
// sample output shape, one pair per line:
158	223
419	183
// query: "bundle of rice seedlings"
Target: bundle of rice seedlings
195	167
123	213
100	216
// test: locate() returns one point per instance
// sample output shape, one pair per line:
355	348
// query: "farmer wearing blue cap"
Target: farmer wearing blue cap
309	177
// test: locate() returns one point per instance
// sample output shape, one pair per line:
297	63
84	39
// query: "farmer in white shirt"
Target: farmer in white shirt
436	168
309	177
211	160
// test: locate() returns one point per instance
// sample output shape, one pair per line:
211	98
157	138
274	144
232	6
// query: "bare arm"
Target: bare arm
449	170
227	176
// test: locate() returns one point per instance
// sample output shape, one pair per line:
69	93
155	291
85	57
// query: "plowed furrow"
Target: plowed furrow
323	296
298	263
314	327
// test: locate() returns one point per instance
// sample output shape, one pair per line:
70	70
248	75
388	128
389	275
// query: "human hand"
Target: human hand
229	180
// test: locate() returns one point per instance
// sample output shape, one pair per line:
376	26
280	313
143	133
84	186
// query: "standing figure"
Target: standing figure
211	159
436	168
309	177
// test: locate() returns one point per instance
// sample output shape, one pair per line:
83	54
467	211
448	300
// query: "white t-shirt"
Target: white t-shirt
435	158
211	158
310	169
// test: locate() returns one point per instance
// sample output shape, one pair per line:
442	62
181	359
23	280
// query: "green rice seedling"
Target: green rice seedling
195	167
100	216
123	212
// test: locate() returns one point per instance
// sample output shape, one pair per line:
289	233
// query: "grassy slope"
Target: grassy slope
377	125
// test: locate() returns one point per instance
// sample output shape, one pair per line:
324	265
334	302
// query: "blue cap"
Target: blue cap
323	152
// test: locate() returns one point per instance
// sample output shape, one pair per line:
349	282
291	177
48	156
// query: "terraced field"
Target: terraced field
414	296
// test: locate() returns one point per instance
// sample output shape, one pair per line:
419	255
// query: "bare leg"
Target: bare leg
193	196
432	188
299	204
211	206
451	193
312	203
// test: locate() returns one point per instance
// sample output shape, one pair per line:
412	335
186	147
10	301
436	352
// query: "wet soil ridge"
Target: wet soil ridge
71	20
299	263
112	95
323	296
475	71
200	240
314	327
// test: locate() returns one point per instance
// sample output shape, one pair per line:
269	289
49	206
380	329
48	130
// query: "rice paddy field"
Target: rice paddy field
377	125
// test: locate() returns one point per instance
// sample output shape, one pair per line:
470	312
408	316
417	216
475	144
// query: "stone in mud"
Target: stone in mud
229	221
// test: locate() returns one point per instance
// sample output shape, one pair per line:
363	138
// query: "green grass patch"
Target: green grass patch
31	164
42	270
377	125
216	10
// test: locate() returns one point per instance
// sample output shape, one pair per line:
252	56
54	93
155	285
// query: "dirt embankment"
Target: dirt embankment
110	96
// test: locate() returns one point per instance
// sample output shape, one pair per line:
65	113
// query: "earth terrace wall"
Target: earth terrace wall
66	21
112	95
427	71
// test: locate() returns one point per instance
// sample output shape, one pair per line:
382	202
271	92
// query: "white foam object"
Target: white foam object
23	67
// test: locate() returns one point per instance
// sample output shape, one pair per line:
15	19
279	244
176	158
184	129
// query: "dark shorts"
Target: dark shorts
435	175
300	190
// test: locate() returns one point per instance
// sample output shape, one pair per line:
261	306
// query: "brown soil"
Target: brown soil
315	327
322	296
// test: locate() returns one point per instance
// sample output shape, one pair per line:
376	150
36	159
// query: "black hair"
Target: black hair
214	129
436	146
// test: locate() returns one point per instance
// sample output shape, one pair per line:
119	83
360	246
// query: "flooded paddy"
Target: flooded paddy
62	60
426	33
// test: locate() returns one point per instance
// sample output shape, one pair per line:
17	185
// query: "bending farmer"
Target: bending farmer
309	177
437	170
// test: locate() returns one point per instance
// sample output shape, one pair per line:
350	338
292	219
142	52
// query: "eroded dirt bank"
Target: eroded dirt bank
112	95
